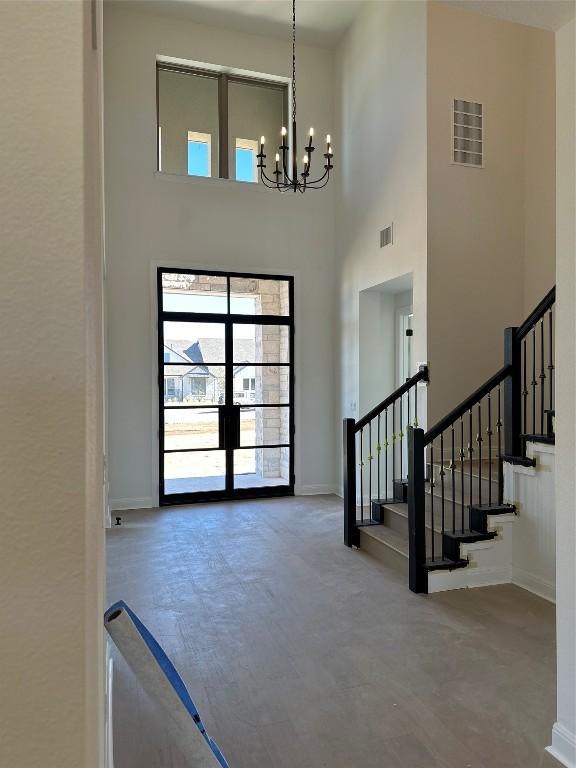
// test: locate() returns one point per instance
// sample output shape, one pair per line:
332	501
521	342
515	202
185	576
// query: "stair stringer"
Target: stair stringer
489	562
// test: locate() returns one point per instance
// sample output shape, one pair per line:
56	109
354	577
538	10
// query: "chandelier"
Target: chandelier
286	174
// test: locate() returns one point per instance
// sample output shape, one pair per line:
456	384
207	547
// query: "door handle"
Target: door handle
235	426
222	418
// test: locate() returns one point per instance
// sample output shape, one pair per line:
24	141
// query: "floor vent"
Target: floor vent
386	236
468	133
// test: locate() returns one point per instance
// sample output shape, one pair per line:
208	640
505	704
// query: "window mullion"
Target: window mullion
223	148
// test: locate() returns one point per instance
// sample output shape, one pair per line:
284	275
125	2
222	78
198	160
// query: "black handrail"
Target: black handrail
422	375
537	314
466	404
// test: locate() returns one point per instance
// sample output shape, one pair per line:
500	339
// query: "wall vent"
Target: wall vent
386	236
467	133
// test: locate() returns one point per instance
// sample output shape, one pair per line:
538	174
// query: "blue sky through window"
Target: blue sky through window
198	158
245	165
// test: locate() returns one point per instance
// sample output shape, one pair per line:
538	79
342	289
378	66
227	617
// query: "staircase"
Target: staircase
432	502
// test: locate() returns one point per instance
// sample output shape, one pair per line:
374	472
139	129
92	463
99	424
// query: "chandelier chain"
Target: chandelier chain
293	61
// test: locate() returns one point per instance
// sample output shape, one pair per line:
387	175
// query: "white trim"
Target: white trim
535	584
117	505
467	578
563	746
202	65
109	723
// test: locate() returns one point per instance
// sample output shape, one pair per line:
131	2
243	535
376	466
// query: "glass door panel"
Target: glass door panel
264	426
257	343
262	390
194	472
194	398
261	467
225	364
192	428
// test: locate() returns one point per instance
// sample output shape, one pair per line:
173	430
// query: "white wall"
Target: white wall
381	117
490	230
531	490
51	551
564	733
156	219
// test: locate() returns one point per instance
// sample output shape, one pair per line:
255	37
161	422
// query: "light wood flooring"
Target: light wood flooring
301	653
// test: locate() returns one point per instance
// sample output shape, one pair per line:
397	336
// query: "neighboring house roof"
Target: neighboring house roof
205	351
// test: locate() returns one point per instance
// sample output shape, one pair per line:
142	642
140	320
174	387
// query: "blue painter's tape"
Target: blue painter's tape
170	673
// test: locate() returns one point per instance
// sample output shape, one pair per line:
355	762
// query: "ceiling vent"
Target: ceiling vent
386	236
467	133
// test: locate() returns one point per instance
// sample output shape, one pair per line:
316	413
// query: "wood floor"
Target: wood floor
301	653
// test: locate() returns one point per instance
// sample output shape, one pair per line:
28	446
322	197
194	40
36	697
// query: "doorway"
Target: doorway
226	385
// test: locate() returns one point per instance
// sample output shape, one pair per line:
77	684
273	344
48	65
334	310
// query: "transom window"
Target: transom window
209	123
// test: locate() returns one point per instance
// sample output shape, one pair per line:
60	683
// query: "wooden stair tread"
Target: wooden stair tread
387	537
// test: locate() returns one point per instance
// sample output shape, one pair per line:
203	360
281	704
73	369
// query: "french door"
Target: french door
226	385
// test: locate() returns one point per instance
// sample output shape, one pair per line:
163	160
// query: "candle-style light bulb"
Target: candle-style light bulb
328	139
311	132
284	131
277	157
305	160
262	140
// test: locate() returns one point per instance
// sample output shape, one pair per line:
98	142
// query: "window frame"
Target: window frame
223	78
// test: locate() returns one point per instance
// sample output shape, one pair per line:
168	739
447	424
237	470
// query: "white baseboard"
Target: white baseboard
314	490
120	504
535	584
563	746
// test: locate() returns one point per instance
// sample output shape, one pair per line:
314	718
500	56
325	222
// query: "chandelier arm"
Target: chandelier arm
319	179
317	184
265	178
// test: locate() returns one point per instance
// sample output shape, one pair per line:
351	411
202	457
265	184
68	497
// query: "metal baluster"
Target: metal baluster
393	445
534	382
489	433
542	377
386	453
378	453
479	440
462	455
524	391
551	363
416	407
401	436
453	470
499	431
361	476
442	473
370	471
470	455
432	496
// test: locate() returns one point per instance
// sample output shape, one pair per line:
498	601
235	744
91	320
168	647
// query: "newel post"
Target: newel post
350	530
513	394
418	576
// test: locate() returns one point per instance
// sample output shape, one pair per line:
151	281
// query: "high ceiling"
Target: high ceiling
320	22
547	14
323	22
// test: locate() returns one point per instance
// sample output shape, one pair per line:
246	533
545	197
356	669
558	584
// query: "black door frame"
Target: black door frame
229	426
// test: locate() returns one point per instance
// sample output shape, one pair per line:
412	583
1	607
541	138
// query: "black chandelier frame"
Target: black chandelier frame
286	174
